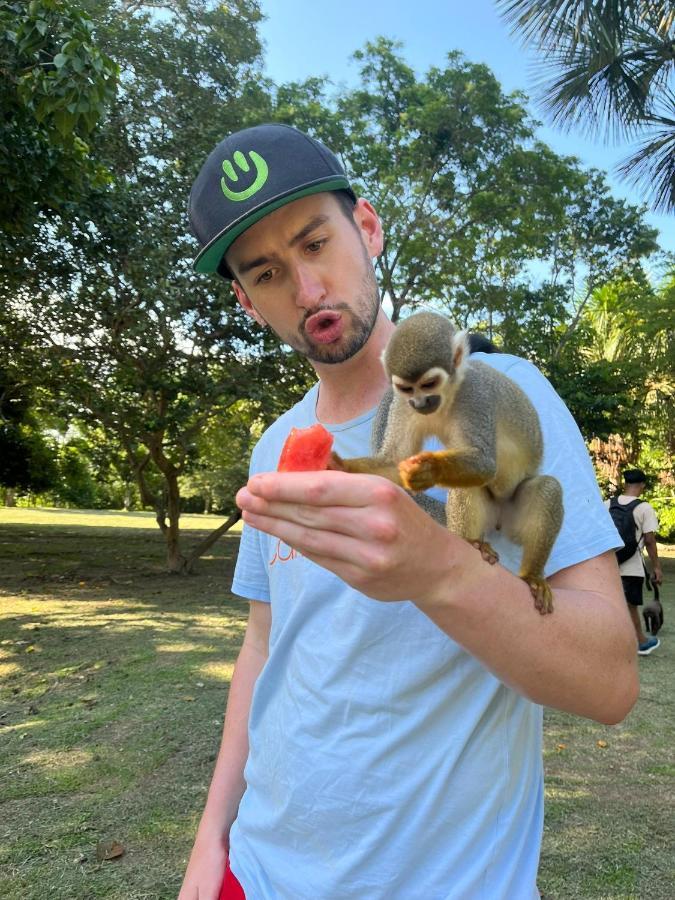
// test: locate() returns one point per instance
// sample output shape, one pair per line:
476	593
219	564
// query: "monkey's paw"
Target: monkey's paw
543	596
487	551
419	472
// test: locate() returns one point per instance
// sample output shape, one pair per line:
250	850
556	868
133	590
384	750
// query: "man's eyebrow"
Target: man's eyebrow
245	267
316	222
313	223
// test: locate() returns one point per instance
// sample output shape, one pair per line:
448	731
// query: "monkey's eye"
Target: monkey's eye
404	388
429	385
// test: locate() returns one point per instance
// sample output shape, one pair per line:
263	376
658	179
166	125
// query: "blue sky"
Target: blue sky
318	38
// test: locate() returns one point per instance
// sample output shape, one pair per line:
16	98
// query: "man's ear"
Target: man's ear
246	304
370	227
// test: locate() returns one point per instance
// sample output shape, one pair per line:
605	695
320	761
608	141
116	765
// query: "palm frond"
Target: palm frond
652	168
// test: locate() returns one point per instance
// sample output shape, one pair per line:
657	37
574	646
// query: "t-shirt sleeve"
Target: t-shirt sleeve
251	579
645	518
587	529
250	573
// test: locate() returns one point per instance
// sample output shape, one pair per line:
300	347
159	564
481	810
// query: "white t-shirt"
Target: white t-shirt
645	521
386	762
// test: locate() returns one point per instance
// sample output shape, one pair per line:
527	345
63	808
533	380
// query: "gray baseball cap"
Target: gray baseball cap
250	174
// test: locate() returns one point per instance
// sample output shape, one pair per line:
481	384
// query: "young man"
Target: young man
632	570
392	749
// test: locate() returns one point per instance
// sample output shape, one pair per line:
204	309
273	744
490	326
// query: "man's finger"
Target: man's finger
326	488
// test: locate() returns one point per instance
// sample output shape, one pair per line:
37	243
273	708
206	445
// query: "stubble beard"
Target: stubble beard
361	318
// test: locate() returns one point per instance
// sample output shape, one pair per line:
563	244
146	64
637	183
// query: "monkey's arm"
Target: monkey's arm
392	441
448	468
367	465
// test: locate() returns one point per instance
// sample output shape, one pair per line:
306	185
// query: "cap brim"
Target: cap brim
210	257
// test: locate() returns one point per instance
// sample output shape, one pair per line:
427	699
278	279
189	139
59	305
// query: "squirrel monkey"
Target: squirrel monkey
492	439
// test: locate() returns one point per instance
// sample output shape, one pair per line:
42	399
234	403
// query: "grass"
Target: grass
113	683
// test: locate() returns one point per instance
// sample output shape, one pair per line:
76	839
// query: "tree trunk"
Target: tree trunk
210	540
9	497
175	560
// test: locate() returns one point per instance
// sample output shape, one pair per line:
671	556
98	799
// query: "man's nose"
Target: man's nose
310	290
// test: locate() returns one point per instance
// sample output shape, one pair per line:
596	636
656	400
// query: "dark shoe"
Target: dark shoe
651	644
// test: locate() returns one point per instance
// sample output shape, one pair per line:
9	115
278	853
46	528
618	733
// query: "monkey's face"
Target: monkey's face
426	394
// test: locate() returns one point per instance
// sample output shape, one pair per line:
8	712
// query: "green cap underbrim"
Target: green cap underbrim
210	256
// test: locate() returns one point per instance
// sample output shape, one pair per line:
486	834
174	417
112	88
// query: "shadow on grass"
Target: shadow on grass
114	681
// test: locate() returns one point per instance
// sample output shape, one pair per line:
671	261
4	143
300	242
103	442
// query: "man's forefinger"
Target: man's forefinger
325	488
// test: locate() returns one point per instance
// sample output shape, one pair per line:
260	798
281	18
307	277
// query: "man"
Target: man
392	749
632	569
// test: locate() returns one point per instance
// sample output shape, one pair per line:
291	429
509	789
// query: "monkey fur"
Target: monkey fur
492	439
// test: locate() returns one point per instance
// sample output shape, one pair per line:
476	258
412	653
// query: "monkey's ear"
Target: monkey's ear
460	348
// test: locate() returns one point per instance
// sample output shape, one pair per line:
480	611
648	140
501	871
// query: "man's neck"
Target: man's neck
633	492
349	389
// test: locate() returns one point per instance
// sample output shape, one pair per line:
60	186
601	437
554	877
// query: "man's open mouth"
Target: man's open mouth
324	327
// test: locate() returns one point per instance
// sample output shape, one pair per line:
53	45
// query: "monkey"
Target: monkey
492	441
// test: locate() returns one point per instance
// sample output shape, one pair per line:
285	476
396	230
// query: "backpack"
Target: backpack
622	516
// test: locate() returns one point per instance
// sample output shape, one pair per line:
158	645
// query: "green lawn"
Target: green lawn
114	682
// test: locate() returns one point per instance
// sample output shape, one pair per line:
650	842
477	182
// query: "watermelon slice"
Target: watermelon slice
306	450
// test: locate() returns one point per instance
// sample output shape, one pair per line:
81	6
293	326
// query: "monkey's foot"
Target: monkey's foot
543	596
487	551
419	472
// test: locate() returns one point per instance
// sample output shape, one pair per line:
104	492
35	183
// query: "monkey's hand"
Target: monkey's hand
420	472
543	596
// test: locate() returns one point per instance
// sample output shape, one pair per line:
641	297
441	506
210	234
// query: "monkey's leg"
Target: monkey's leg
533	519
449	468
367	465
470	514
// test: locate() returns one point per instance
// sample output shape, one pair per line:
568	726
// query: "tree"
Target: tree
134	342
56	85
482	220
607	67
472	204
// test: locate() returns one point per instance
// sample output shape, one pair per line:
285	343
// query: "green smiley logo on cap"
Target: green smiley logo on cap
243	165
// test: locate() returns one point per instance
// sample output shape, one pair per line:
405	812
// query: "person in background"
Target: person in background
632	570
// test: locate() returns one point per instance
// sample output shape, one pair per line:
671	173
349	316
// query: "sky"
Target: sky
304	39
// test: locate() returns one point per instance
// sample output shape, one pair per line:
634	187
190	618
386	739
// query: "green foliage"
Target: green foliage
132	341
26	459
608	68
56	85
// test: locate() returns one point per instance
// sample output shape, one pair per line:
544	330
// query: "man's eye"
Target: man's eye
266	275
314	246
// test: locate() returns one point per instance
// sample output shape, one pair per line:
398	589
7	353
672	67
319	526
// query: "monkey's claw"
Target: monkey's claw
543	596
487	551
418	472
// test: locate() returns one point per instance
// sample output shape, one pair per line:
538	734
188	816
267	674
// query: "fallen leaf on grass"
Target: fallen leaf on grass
561	747
602	744
109	850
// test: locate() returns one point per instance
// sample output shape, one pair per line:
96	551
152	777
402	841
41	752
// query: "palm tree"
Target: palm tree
608	67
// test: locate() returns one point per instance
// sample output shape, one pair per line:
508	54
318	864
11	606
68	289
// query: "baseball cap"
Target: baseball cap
250	174
634	476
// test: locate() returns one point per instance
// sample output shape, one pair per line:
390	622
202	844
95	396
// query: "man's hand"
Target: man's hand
206	869
363	528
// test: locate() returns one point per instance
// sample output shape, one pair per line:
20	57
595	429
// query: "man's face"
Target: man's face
305	270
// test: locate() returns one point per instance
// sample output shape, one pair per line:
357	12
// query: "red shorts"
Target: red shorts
231	889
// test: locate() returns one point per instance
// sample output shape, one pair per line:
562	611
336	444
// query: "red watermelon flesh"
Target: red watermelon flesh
306	450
